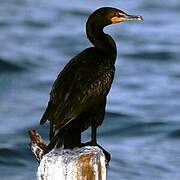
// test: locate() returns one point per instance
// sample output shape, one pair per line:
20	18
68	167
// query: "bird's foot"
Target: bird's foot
91	143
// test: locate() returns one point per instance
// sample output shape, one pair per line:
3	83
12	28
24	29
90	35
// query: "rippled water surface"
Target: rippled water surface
142	126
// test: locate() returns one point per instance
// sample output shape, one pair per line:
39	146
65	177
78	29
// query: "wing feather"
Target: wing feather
80	84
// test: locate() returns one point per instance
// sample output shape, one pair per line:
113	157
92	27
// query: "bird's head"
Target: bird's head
108	15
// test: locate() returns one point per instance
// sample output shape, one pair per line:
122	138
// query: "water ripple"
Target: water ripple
8	67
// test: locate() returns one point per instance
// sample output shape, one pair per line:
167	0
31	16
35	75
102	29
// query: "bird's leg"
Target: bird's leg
93	135
93	142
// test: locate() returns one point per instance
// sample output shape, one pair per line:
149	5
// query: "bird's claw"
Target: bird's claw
91	143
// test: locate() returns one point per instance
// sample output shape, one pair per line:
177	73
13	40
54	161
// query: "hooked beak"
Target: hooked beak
133	18
126	17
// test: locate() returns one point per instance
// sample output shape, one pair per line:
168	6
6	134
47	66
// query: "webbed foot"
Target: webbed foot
91	143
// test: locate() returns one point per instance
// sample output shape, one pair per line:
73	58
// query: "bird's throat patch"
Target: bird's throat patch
116	20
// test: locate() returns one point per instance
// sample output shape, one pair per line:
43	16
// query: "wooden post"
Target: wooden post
86	163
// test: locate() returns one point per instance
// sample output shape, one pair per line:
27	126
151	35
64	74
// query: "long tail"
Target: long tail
52	130
54	141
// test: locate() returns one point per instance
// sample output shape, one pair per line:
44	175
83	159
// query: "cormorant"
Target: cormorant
78	96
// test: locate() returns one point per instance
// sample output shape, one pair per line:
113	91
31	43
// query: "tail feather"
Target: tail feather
65	138
54	141
51	130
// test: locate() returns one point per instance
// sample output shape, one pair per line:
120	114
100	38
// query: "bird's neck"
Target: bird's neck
101	40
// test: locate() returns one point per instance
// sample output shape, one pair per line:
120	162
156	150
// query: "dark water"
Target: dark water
142	126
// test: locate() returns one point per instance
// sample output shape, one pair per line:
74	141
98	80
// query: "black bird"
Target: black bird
78	96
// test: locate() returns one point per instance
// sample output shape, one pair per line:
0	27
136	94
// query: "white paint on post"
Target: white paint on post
86	163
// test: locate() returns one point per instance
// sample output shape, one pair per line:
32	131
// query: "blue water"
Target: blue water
142	126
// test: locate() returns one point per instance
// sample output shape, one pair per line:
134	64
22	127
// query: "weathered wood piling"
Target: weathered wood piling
86	163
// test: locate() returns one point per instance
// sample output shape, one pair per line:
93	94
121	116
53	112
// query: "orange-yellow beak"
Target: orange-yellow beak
125	17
